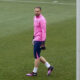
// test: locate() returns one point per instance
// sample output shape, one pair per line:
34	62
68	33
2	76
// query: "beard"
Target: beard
37	15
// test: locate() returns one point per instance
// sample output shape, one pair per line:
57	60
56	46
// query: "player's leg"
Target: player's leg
37	51
37	58
43	60
34	72
50	68
36	64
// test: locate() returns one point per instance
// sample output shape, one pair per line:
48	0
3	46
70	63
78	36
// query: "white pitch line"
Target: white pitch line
72	4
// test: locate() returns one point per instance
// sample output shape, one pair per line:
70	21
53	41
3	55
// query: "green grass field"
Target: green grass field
16	31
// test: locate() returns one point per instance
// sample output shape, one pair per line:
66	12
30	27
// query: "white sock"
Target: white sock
47	64
35	69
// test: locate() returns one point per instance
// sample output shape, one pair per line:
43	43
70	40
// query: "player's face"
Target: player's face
37	11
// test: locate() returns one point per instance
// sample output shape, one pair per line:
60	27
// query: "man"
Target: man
39	39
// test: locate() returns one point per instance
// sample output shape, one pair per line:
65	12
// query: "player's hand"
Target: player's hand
33	42
43	46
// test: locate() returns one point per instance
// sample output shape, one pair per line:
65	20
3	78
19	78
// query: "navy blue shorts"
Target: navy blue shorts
37	49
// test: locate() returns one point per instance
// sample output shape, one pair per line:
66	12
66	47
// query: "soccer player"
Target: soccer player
38	42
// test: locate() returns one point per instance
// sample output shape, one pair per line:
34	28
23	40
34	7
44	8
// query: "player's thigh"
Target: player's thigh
37	49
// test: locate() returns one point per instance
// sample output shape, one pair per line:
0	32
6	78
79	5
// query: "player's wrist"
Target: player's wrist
33	37
33	42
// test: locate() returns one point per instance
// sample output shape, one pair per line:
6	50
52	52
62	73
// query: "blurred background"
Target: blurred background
16	31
